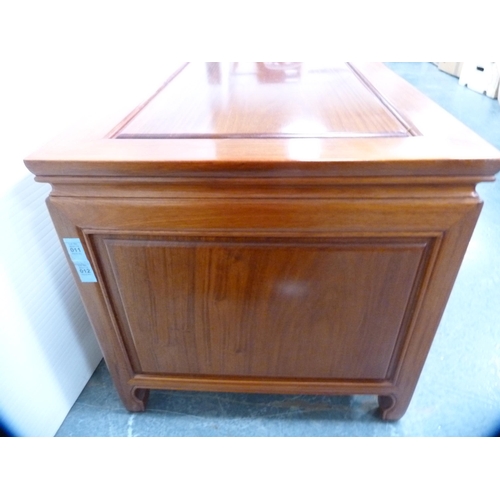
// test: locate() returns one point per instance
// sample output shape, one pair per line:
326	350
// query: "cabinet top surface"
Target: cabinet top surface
265	100
274	120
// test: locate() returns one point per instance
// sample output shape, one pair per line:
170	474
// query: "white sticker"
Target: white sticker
77	255
75	249
85	271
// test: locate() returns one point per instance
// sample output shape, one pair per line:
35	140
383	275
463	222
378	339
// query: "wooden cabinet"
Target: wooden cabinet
269	227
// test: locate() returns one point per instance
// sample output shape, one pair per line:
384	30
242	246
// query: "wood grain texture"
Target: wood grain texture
262	308
213	100
236	252
445	148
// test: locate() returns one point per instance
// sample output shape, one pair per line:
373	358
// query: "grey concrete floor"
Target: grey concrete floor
459	390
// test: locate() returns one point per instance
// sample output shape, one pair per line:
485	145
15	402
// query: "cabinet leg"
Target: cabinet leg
135	399
392	406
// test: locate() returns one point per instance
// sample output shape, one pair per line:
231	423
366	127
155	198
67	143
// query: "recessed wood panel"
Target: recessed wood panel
238	100
261	308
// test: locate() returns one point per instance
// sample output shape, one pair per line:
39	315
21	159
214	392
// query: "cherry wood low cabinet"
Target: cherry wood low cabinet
269	227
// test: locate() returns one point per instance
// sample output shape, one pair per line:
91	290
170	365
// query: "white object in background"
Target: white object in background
452	68
483	77
47	348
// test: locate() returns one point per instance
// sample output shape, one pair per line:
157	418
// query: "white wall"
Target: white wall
62	62
47	349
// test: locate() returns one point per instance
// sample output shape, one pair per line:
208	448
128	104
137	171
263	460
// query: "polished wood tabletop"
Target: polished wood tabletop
262	120
270	100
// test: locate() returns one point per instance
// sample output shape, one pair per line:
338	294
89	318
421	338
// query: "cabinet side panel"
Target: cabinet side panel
261	308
